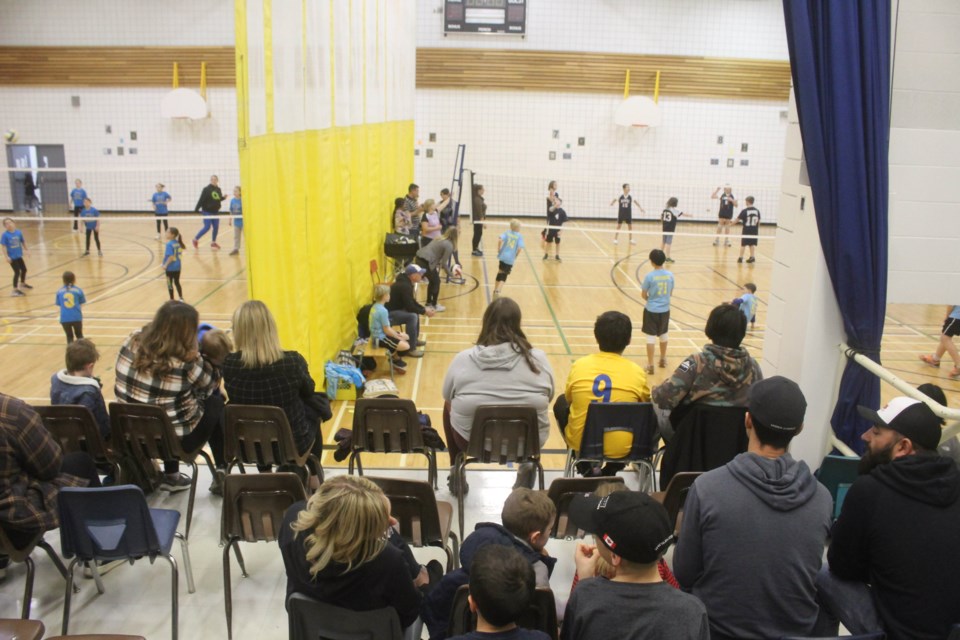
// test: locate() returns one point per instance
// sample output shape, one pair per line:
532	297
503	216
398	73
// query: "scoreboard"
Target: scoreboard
485	16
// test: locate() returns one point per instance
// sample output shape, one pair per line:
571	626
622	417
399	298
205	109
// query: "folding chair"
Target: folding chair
145	432
74	427
561	492
389	425
23	555
423	520
541	615
253	508
311	619
637	418
261	435
500	434
676	494
114	523
837	473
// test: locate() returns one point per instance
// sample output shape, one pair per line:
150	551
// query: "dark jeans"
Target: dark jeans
410	322
74	330
433	287
477	235
96	236
456	444
76	215
208	430
163	219
848	602
19	271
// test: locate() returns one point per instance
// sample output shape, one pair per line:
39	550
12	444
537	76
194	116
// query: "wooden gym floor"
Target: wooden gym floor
559	300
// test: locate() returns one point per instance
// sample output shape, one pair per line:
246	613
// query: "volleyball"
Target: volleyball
457	271
9	136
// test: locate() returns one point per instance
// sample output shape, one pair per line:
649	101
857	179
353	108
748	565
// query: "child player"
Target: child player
171	261
556	216
669	217
236	209
625	213
951	327
750	219
14	248
657	288
91	220
508	248
160	199
77	196
382	334
725	215
747	302
69	298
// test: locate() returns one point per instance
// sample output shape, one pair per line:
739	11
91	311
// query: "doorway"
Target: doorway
34	190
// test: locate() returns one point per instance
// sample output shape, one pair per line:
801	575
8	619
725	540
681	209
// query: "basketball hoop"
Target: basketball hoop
637	112
184	104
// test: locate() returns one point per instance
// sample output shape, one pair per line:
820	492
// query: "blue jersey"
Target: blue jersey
512	242
173	249
748	305
379	318
69	299
160	200
90	216
13	241
236	209
659	286
78	195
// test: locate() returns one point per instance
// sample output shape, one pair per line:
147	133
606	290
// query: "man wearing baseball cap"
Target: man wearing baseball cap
631	531
404	308
897	531
753	530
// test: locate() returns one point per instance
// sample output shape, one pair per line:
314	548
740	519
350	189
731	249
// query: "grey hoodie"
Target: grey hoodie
497	374
751	546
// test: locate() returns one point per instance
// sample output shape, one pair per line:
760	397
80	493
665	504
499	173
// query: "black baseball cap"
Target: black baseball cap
908	417
629	523
777	403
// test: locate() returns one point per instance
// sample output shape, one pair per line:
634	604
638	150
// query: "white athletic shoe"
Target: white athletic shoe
615	241
633	242
439	308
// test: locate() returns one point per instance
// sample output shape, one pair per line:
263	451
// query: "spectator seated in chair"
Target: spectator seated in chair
77	385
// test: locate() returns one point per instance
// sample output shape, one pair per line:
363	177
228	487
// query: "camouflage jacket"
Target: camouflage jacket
718	376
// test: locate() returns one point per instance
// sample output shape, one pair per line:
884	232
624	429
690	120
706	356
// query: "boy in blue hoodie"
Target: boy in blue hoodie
528	518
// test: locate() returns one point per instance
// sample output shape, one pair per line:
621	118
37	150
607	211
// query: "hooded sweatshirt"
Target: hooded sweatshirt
898	531
718	376
498	374
751	546
68	389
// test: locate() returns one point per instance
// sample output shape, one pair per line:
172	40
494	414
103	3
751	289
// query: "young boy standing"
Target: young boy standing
657	287
750	219
382	333
502	587
631	533
509	246
14	248
669	217
747	302
625	213
69	298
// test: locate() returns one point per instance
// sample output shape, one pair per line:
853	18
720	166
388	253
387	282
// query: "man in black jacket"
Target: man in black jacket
209	203
404	308
897	532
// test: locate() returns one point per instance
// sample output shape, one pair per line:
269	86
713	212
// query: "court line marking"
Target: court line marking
546	299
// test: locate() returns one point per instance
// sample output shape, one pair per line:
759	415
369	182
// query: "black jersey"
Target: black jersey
669	218
626	205
726	205
750	217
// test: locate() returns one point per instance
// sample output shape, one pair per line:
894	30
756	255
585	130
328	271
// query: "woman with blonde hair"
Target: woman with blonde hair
503	368
161	364
261	372
341	548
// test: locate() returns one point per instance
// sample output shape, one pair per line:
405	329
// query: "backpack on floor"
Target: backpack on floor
363	321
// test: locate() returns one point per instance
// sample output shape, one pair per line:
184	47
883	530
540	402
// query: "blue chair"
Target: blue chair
115	523
837	473
636	418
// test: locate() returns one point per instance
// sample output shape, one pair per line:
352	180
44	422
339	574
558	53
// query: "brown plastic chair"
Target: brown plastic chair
423	520
253	508
74	427
98	636
261	435
145	432
561	492
541	615
14	629
389	425
676	494
23	555
500	434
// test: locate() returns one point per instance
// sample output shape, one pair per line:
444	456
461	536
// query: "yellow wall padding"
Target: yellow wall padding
319	204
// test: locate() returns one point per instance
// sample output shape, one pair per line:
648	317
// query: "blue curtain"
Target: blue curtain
840	61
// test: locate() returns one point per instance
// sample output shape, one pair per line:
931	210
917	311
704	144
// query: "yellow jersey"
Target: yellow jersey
603	377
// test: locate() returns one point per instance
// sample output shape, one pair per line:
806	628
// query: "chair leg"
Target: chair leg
314	461
185	548
350	462
95	570
54	557
28	588
206	457
227	593
192	498
174	597
456	548
65	627
461	471
243	565
431	467
539	473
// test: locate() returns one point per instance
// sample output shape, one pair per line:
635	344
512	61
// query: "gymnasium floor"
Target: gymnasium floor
559	302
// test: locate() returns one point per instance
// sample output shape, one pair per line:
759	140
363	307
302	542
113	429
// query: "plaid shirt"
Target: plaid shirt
180	392
285	383
29	469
